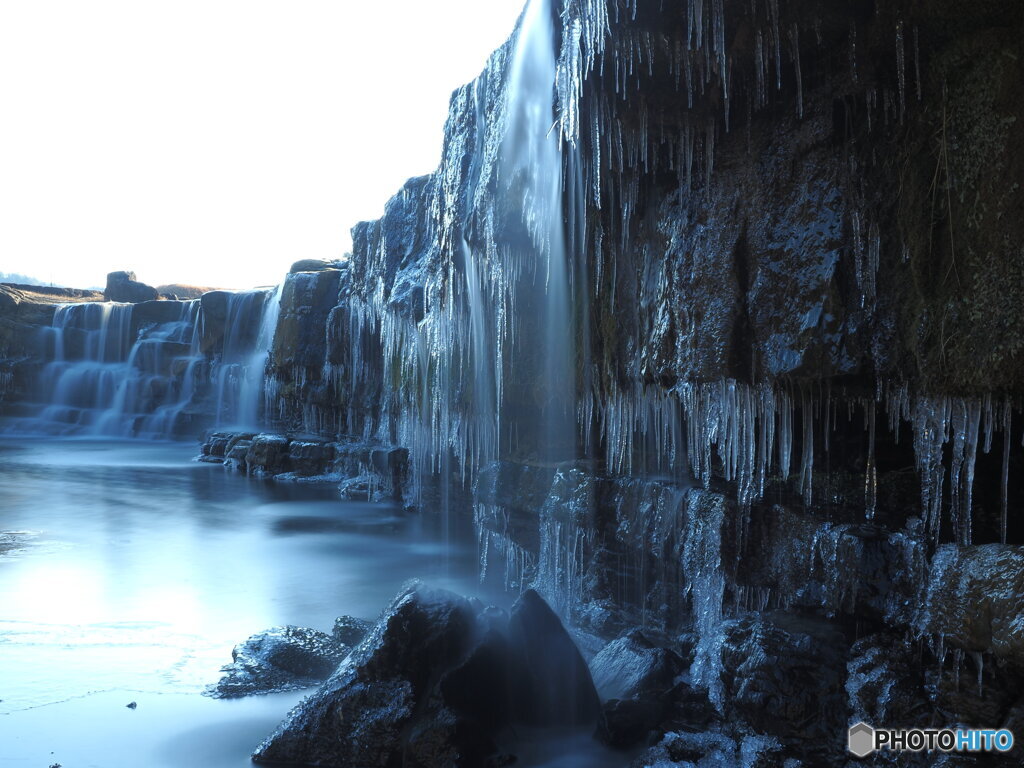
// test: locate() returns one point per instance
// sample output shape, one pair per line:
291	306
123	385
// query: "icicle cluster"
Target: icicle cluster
961	423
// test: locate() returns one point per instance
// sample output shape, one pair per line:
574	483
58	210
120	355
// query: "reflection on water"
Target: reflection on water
127	573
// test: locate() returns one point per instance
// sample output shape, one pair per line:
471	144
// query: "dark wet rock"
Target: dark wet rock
554	686
439	680
237	451
1014	722
361	714
632	666
216	445
309	458
507	498
858	569
975	600
279	659
625	722
371	469
360	488
267	454
638	679
215	316
687	750
884	682
350	631
122	286
313	265
688	708
970	689
785	676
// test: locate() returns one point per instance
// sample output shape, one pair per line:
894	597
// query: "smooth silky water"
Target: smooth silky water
128	572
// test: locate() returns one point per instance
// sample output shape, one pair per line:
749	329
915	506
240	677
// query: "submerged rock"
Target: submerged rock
279	659
439	682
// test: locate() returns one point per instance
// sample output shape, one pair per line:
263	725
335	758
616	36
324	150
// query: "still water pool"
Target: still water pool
128	572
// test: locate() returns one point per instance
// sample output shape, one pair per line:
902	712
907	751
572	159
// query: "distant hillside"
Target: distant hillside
16	277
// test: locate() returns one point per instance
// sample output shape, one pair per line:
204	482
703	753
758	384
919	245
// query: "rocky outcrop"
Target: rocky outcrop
349	630
438	682
279	659
975	600
122	286
365	471
784	675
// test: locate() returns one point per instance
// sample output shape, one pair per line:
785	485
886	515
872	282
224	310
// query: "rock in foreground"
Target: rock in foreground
279	659
439	682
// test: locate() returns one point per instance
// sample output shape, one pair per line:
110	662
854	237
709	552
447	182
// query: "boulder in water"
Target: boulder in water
279	659
440	681
268	454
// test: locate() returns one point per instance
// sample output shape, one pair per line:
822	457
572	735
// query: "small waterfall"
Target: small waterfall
148	370
112	372
251	393
239	372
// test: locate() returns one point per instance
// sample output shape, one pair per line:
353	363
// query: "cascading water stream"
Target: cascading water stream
251	393
153	391
240	371
126	370
531	169
111	372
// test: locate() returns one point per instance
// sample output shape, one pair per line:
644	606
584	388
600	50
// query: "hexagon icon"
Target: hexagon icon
861	739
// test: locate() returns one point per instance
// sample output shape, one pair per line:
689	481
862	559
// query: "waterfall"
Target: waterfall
149	370
239	372
531	169
112	372
252	389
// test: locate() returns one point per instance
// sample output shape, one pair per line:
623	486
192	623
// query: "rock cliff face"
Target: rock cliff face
791	308
710	320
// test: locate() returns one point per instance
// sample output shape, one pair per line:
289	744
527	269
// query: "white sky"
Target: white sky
215	142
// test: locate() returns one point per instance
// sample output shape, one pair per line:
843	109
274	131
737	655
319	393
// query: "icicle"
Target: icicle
1004	490
705	582
852	47
773	14
794	41
901	69
807	461
871	474
917	65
